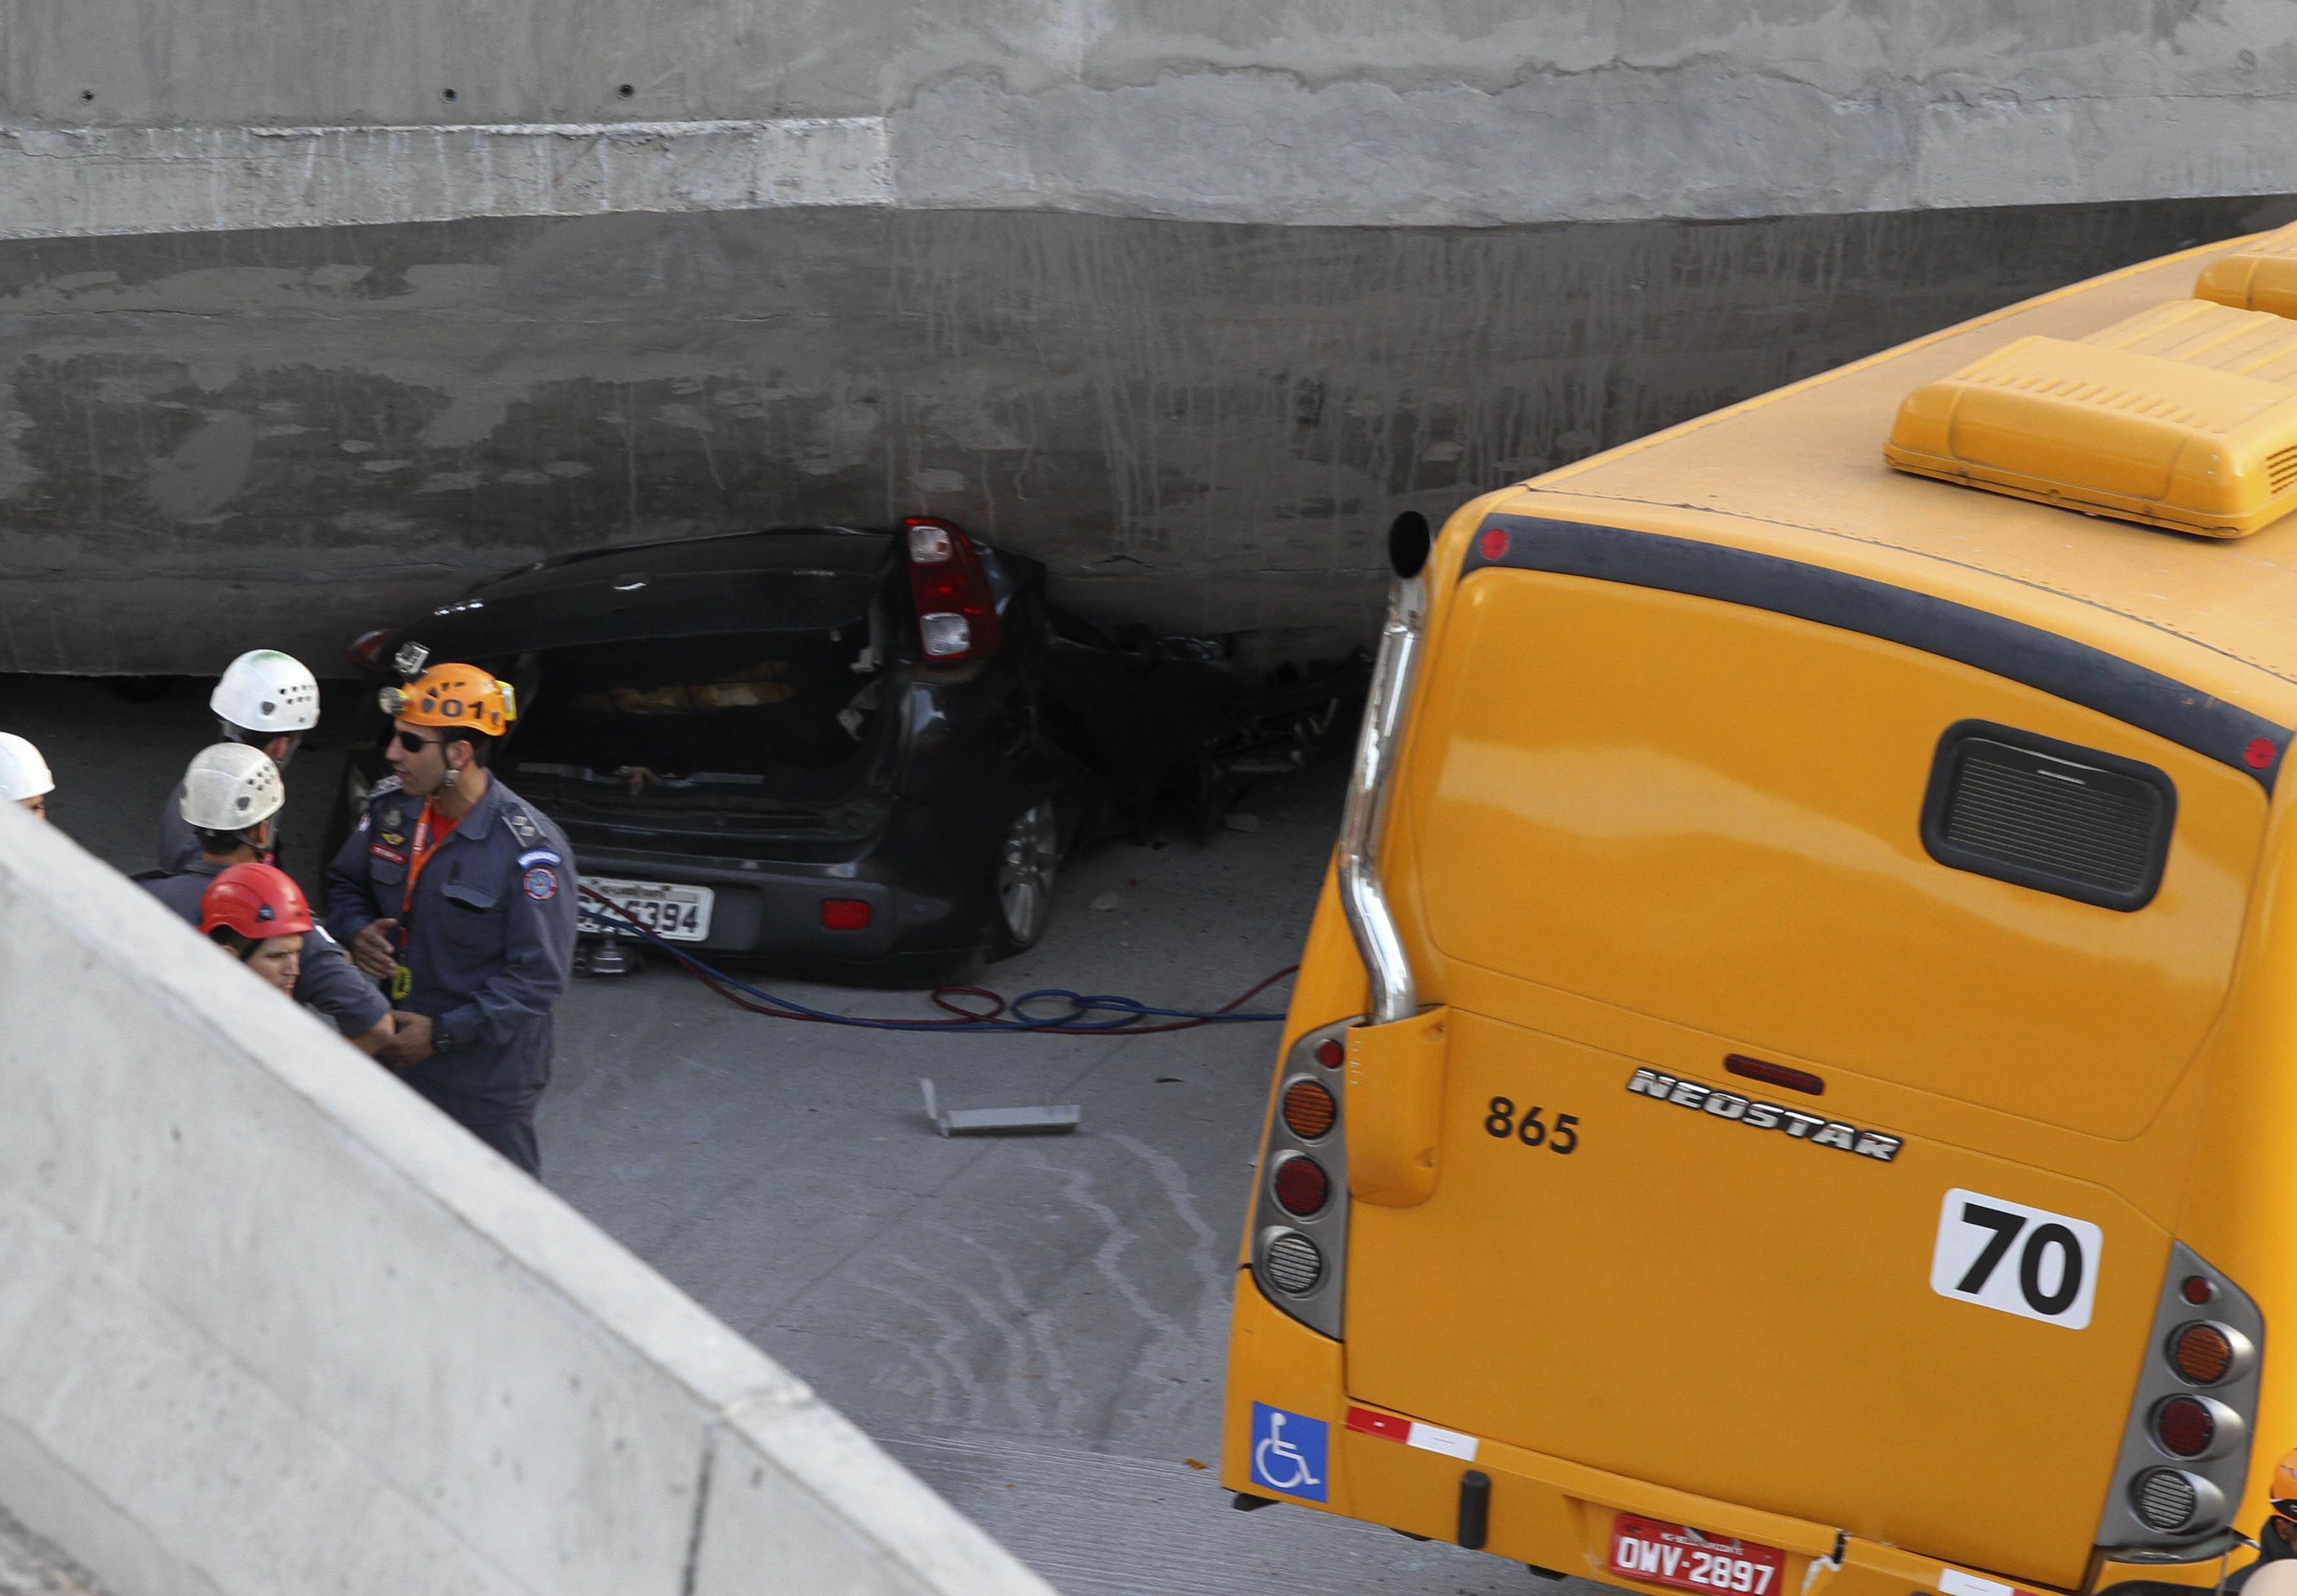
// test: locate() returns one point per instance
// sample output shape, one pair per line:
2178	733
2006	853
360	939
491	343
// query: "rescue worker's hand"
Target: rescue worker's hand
412	1044
372	1042
371	949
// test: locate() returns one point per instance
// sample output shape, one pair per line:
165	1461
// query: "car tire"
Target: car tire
1028	858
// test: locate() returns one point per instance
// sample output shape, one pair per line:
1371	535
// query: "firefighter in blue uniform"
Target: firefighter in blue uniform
460	896
231	799
265	700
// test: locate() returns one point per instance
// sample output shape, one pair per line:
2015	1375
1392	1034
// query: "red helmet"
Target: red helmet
257	901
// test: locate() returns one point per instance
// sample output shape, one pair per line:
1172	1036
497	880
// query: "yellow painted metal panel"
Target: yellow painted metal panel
1711	814
1742	1315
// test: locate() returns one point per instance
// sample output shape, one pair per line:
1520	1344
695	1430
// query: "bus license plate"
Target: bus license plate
1670	1554
674	913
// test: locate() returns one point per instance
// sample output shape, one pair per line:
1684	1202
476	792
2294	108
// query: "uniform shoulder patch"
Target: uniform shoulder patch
541	884
538	856
384	786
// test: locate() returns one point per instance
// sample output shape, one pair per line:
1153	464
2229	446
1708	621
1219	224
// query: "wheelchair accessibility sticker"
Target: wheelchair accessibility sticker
1287	1452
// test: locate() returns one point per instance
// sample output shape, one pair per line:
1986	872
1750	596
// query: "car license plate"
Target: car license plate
674	913
1670	1554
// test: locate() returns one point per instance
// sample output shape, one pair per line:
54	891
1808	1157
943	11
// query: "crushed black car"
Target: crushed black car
858	755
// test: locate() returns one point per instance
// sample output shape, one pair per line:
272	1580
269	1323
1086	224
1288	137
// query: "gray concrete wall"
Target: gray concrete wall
1356	112
209	441
269	1324
312	313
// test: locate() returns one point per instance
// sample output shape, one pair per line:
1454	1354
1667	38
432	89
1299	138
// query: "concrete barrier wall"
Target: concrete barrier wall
1346	112
268	1324
286	437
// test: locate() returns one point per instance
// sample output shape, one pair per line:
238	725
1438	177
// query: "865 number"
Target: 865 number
1533	1132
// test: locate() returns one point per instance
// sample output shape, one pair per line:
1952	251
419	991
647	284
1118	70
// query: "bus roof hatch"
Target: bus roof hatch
2182	416
2260	275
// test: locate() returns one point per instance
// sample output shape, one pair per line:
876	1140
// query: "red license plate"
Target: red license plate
1670	1554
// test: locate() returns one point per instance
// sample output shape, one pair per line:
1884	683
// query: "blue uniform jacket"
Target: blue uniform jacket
489	936
328	982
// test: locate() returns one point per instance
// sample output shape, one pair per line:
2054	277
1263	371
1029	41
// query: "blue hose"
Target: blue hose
1128	1013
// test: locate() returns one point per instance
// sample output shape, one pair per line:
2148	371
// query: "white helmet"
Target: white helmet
230	786
268	691
23	773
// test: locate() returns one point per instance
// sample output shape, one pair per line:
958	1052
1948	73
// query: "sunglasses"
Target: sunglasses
410	742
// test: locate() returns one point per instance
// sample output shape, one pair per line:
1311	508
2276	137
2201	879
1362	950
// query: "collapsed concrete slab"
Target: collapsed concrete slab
268	1323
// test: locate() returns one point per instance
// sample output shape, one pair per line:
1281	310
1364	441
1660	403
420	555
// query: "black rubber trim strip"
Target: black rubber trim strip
2075	671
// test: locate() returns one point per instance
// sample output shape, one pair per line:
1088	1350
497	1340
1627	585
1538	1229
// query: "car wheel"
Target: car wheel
1026	863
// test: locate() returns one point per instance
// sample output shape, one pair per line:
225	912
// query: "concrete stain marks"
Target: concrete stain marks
96	180
206	470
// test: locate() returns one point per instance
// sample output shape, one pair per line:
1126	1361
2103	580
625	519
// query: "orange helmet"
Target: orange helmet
462	697
257	901
2282	1489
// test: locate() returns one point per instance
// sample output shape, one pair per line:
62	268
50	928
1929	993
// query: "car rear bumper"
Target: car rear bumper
774	907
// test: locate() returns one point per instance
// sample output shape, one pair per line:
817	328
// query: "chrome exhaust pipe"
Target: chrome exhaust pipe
1395	996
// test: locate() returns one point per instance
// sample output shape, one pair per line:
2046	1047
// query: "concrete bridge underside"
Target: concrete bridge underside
309	317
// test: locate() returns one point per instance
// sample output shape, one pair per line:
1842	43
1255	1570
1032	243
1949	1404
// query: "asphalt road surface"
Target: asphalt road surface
1035	1326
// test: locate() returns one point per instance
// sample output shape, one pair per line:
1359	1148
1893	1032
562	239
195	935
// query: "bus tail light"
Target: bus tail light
1310	1111
2205	1352
2185	1451
2171	1502
1301	1187
1300	1209
2193	1427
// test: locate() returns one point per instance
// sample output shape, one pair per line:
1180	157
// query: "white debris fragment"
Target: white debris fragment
1047	1119
1105	900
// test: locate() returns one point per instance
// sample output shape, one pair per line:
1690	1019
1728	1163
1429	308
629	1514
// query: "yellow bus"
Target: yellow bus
1792	1084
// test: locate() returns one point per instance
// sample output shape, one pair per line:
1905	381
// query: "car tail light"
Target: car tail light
957	613
365	651
2183	1513
1300	1210
844	914
1301	1186
1309	1111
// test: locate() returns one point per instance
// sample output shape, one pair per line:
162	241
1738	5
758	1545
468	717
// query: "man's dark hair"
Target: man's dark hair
224	841
481	746
239	942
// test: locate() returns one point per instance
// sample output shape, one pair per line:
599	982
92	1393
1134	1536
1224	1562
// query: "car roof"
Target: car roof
800	578
1800	473
839	551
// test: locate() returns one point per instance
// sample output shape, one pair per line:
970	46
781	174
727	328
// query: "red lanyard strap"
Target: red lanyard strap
417	856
